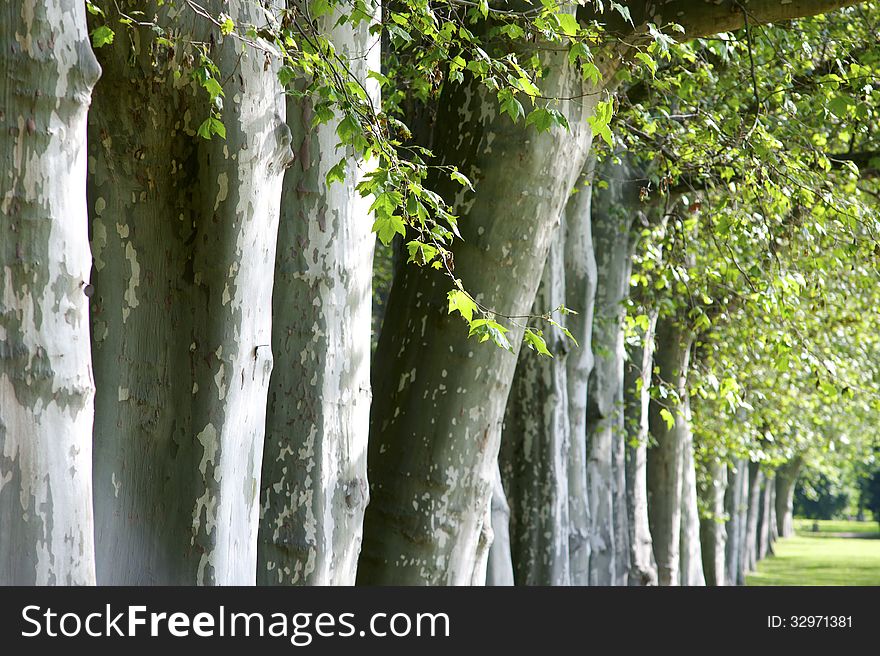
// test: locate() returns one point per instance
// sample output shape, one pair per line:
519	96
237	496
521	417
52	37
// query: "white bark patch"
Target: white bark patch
131	299
222	190
99	241
208	439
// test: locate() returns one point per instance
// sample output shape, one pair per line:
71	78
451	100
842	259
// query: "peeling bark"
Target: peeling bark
664	477
535	446
314	484
637	400
690	550
713	532
580	288
613	217
183	234
439	398
47	73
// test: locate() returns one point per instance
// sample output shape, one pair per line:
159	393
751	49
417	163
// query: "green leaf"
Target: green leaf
568	23
462	302
461	179
536	342
387	226
101	36
337	173
668	418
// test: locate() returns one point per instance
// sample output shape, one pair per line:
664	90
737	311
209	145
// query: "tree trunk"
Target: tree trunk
786	477
643	568
580	287
690	550
774	532
756	479
764	547
735	505
664	477
47	74
500	567
314	483
613	212
713	532
183	232
534	447
431	480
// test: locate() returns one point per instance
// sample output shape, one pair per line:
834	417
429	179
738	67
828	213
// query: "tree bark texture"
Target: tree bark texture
47	73
580	291
614	212
314	482
183	233
713	531
637	397
535	446
664	477
439	398
690	550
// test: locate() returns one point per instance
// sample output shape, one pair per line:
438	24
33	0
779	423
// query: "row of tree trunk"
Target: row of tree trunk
184	364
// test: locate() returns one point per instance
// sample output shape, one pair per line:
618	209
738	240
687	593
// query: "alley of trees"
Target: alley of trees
437	292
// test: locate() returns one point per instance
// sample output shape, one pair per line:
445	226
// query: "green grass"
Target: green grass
836	526
811	558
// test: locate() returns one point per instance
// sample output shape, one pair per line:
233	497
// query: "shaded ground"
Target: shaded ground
835	555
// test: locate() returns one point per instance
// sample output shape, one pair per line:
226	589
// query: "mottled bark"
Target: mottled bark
613	216
637	399
314	483
47	72
183	234
713	530
535	444
439	398
664	477
580	288
786	477
690	551
499	570
735	505
750	550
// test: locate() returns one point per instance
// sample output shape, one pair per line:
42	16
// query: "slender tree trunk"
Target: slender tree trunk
580	287
431	479
786	477
500	567
764	547
47	73
314	484
774	532
713	532
735	505
690	549
664	478
756	479
183	233
613	212
535	444
643	568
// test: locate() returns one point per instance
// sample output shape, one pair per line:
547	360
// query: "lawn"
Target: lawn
836	526
811	558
